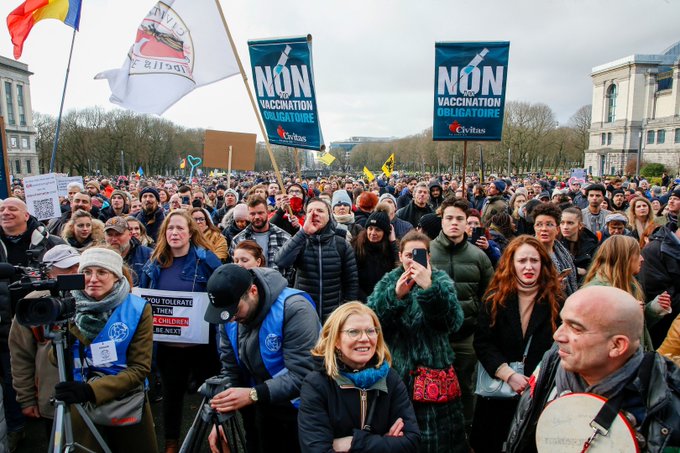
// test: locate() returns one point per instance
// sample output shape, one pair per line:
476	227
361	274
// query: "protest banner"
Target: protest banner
42	197
177	315
469	90
63	181
284	86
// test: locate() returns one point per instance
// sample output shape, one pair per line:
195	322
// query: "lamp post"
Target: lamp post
639	154
122	162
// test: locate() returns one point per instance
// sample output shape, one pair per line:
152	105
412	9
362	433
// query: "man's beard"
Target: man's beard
150	208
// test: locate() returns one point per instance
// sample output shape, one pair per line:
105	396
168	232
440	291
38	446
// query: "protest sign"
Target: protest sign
216	150
177	315
42	196
469	90
63	181
580	173
284	86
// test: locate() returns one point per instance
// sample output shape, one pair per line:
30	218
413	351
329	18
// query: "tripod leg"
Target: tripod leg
57	428
93	429
192	435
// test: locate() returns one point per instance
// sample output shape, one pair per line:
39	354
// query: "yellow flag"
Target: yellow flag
212	173
183	164
327	158
388	166
368	174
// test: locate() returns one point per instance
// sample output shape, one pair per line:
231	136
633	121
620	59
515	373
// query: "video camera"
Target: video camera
56	308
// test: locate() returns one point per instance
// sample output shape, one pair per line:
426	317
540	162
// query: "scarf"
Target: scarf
92	315
566	381
366	378
345	219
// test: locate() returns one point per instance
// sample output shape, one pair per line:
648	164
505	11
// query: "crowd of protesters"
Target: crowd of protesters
500	258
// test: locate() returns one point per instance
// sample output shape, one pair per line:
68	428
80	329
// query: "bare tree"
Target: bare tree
580	123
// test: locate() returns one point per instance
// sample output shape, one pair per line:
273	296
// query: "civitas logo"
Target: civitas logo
290	136
458	128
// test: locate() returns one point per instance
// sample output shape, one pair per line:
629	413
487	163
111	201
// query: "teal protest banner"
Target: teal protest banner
284	86
469	90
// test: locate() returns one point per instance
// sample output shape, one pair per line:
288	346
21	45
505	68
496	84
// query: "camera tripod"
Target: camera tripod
61	439
207	418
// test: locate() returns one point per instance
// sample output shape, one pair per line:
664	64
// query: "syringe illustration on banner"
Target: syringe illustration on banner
467	70
280	65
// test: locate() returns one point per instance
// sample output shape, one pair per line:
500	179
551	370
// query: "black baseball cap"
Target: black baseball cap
225	288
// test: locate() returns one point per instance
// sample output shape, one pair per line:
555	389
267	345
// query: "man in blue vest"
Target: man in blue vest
264	350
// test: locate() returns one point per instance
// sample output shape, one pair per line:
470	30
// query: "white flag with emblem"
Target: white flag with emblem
180	45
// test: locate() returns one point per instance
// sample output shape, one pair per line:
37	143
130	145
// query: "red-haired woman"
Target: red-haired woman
521	307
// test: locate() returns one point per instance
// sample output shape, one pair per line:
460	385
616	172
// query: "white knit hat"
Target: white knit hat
104	258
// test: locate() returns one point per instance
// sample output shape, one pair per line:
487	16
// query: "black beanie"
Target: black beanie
431	224
380	220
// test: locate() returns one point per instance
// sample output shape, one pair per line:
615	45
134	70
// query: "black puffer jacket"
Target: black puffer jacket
326	267
329	411
582	250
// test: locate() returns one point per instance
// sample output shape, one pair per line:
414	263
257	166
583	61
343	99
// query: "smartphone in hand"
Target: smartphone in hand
420	256
477	232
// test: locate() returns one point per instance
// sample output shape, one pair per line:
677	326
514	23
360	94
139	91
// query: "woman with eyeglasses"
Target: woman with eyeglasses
355	401
547	219
102	307
218	243
418	309
182	261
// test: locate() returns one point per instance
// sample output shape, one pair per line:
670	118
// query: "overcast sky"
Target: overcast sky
373	59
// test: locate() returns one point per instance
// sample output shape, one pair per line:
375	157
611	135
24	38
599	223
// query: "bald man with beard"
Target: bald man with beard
598	351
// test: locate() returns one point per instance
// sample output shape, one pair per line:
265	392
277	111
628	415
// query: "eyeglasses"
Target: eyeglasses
371	332
544	225
199	219
294	191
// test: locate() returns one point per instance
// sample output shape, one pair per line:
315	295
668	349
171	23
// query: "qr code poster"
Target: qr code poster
42	197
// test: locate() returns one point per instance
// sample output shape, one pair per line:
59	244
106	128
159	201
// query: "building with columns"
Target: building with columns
636	108
15	108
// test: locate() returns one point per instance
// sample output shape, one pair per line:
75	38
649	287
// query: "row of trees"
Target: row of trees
96	140
535	140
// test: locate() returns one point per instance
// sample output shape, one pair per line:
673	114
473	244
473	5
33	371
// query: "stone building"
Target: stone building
636	108
15	108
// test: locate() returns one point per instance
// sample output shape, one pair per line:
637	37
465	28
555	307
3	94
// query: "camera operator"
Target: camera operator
112	352
33	375
19	233
263	378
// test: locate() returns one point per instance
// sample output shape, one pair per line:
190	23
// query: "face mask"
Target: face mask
296	204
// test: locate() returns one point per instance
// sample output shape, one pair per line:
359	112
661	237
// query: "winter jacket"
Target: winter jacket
470	270
404	199
219	244
374	266
412	213
280	219
671	345
661	272
300	332
108	213
277	237
198	268
137	256
657	385
492	206
401	227
435	202
152	223
582	250
417	328
333	408
326	267
360	217
505	343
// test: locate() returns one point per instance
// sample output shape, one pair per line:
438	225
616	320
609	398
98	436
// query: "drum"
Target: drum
564	427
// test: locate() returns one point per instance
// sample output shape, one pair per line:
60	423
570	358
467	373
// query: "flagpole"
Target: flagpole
252	99
61	106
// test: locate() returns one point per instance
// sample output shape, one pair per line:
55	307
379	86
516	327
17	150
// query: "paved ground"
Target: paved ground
36	442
